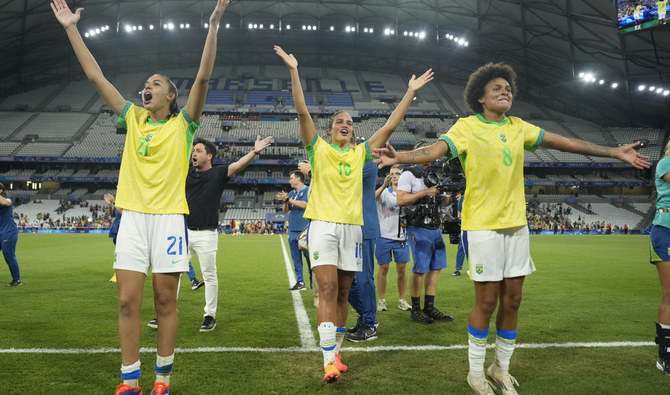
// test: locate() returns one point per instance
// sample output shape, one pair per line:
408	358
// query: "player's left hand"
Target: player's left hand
626	153
260	145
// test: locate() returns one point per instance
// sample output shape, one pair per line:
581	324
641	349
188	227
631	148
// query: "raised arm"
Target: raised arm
69	20
385	184
388	156
196	98
244	161
307	129
382	135
625	153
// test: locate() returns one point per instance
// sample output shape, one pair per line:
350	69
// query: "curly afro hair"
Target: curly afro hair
474	90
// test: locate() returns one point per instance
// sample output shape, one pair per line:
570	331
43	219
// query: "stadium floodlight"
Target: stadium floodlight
422	35
97	30
251	26
260	26
372	30
659	90
86	34
151	27
392	31
206	26
353	29
614	85
581	75
404	33
181	25
227	25
127	28
387	31
347	29
288	27
365	30
652	88
134	28
272	26
314	27
255	25
188	26
641	87
601	82
332	28
170	26
666	92
466	43
304	27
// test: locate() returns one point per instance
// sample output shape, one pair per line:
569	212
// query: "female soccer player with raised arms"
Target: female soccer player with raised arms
490	146
151	192
335	208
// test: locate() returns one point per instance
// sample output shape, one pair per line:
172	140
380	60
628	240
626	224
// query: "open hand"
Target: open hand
220	8
260	145
417	83
626	153
288	59
385	156
62	12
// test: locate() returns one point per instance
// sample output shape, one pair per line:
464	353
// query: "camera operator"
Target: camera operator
425	237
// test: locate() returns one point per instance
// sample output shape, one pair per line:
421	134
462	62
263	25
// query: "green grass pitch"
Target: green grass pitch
586	325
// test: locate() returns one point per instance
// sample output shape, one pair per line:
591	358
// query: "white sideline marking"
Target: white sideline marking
306	335
314	348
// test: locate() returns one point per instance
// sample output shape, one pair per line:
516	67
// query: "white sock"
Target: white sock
327	341
164	368
339	336
477	349
131	374
505	342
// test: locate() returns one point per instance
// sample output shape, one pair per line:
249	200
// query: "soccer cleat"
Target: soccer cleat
195	284
338	362
363	334
15	283
161	389
153	323
359	324
332	374
299	286
502	377
417	315
208	324
663	364
437	315
381	305
456	273
125	389
403	305
480	384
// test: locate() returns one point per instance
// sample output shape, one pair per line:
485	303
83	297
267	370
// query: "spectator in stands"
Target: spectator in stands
204	186
660	256
335	208
9	235
296	202
493	207
392	245
151	191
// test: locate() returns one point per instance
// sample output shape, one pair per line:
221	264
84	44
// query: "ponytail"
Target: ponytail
172	88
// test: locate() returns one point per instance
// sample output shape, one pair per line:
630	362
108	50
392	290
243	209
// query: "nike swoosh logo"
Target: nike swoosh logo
482	133
174	262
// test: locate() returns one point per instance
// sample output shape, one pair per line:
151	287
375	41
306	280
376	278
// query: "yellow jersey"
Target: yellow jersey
336	193
492	157
155	161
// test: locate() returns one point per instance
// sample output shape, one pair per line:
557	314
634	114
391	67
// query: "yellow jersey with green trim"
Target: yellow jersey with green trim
336	191
155	162
492	158
662	6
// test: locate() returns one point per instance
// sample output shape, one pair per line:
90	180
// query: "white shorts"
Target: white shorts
152	240
661	15
336	244
637	16
497	254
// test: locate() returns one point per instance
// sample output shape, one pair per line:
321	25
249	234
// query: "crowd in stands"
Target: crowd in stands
553	217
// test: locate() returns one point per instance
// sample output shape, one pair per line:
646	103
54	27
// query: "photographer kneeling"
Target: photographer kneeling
419	197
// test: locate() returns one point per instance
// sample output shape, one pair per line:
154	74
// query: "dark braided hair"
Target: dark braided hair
172	88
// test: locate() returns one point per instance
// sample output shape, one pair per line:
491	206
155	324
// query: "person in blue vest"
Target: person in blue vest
296	202
9	235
